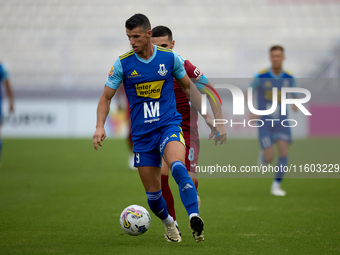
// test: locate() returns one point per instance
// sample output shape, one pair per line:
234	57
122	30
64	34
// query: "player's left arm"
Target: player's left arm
10	96
216	108
187	85
205	87
294	95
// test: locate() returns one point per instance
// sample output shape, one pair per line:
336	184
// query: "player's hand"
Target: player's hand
209	121
98	137
221	135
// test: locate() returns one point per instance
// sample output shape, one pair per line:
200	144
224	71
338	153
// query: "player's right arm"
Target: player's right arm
8	88
9	95
255	86
102	112
111	85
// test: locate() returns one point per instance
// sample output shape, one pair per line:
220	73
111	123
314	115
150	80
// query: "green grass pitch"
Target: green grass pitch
63	197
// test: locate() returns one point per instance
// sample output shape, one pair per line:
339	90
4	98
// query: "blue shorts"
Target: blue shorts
156	142
268	134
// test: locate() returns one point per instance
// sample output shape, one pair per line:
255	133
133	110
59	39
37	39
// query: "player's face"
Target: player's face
276	57
138	38
163	41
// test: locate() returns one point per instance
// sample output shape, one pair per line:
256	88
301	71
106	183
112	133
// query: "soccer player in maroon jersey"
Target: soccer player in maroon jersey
162	36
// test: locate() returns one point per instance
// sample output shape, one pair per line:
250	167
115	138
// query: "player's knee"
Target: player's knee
283	152
268	157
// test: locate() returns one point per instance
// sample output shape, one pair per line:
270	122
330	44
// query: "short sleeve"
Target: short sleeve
3	71
179	71
201	82
195	74
115	76
256	82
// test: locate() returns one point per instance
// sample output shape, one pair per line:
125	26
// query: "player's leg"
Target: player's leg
174	155
173	150
166	191
282	147
151	179
191	159
266	142
282	136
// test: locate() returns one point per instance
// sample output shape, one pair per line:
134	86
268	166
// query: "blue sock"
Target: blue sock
157	204
187	190
283	162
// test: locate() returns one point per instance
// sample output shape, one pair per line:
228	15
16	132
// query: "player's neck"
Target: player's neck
277	71
147	52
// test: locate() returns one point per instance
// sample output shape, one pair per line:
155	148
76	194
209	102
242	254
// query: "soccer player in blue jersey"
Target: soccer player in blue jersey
147	73
4	79
272	131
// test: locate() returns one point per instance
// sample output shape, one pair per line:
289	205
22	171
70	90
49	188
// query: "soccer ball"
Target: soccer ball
135	220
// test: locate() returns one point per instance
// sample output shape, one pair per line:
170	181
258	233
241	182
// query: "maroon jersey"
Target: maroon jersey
182	103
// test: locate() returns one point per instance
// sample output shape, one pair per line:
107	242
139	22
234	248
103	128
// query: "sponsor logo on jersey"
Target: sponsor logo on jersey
111	72
134	74
150	89
268	94
173	135
162	71
198	73
151	110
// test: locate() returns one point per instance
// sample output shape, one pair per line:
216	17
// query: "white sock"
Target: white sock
176	223
168	220
192	214
276	184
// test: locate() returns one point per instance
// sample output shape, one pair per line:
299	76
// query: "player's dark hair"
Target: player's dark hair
138	20
277	47
160	31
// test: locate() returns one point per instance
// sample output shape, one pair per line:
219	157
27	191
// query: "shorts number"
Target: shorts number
137	158
191	155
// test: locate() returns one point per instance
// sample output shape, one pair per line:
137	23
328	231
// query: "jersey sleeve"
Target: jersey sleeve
3	71
116	76
256	82
195	74
179	71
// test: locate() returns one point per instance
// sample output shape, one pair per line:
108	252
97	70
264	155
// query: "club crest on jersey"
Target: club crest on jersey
162	71
285	83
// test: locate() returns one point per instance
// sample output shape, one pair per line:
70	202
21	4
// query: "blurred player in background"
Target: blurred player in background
147	72
4	79
272	131
162	36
